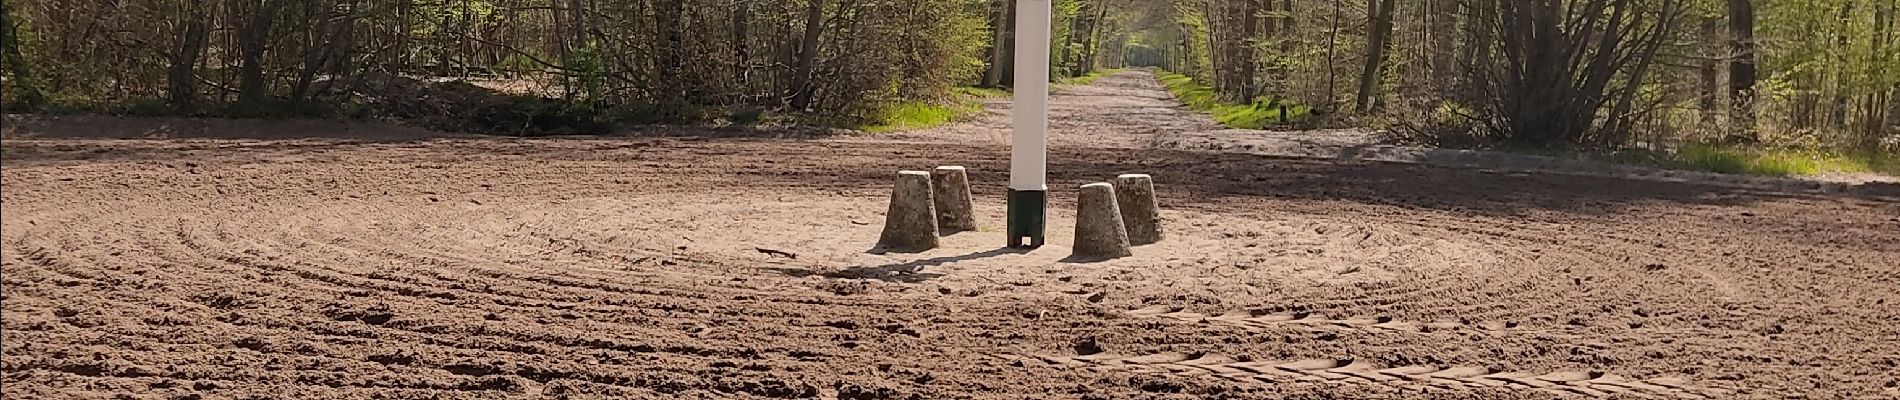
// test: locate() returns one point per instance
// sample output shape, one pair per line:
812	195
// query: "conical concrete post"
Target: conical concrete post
1099	233
1135	194
911	223
950	186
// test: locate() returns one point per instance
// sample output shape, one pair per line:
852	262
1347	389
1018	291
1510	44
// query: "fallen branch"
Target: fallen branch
776	253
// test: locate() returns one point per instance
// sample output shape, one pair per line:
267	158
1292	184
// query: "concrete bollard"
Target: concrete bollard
911	224
1099	233
1135	194
950	186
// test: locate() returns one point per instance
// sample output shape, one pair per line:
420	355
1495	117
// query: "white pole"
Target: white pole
1029	143
1029	146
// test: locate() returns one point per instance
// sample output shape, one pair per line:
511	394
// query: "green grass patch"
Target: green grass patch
912	115
1090	78
1765	161
1260	113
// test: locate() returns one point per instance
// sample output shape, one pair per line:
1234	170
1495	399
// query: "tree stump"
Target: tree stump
911	223
1099	233
1135	194
950	186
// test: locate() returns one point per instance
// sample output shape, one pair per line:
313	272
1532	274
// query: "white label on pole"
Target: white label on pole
1029	144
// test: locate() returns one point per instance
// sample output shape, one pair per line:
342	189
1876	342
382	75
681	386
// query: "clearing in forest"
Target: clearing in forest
363	265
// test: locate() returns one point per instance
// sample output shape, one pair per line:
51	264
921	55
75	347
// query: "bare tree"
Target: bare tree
1561	62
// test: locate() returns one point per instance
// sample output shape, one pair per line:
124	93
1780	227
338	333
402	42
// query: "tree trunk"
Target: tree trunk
668	55
318	52
999	30
1885	109
785	52
1090	43
1186	55
1216	47
1622	118
742	48
808	55
1244	50
1837	110
1378	32
1332	73
1444	50
1741	69
1067	61
577	22
1009	44
182	79
345	44
1480	39
1282	68
253	40
1707	84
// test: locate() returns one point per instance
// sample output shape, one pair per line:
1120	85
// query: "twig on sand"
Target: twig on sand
776	253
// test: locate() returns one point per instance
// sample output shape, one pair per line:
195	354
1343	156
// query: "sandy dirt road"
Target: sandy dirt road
634	267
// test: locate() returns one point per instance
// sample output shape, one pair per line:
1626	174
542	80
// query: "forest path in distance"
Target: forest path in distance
330	266
1130	109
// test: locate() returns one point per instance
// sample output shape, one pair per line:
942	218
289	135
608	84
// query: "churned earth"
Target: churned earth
343	261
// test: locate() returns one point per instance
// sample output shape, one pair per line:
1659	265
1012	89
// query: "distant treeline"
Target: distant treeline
658	59
1597	73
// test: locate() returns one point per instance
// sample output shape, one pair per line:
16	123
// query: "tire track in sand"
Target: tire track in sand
1347	371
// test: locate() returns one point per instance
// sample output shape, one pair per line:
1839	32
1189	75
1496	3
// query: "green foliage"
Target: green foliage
586	70
1730	159
913	115
1259	114
22	91
1200	57
608	62
1062	19
444	23
948	48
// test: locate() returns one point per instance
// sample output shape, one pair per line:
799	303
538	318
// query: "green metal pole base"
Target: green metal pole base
1027	217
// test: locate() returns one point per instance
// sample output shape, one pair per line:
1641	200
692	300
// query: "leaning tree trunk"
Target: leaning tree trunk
1378	33
319	52
182	79
808	55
